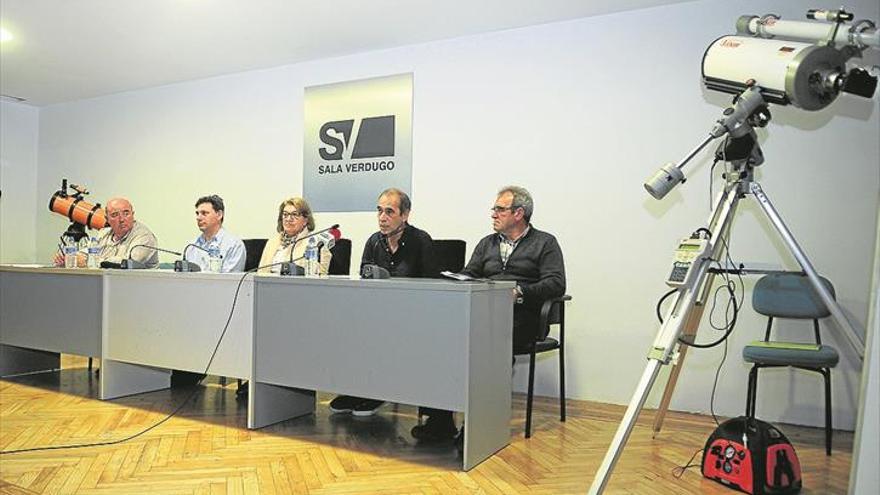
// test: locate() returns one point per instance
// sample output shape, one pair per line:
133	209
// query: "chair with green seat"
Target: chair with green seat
791	296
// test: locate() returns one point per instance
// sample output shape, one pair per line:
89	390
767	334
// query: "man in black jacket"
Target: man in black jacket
518	252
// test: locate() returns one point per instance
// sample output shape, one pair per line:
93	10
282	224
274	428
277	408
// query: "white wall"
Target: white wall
581	113
18	181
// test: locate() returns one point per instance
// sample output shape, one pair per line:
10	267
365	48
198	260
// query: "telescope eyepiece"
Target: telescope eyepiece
829	15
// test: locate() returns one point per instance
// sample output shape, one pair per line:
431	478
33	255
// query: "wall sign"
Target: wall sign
358	142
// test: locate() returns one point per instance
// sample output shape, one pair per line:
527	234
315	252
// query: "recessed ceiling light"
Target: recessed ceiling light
5	35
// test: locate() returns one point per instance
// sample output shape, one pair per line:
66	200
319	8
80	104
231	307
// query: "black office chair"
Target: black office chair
790	295
253	251
552	313
450	254
340	263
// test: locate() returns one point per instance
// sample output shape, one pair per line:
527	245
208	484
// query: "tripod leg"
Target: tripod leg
626	426
690	330
686	301
854	340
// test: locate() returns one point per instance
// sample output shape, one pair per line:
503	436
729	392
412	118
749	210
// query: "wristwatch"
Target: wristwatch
519	294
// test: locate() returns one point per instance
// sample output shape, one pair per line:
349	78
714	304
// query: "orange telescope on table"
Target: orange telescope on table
78	210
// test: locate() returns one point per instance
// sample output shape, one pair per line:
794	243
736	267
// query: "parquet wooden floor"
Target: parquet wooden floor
208	450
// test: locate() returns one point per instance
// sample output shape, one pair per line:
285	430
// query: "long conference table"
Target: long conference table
425	342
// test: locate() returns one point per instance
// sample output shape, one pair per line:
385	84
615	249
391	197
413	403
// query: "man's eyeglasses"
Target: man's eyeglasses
499	209
291	214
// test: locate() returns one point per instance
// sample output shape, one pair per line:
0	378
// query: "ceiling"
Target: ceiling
64	50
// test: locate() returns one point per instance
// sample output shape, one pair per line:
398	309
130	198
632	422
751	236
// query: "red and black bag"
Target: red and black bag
752	456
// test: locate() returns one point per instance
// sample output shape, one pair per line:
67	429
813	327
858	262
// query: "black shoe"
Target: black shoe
344	404
367	407
459	440
437	428
241	392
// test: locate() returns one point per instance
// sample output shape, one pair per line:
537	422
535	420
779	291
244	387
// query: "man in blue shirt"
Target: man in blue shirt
210	212
209	217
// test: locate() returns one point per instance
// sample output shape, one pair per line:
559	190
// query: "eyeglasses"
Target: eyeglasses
389	212
499	209
120	213
291	214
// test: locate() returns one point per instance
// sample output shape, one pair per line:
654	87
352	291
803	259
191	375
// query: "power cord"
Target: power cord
189	397
715	385
678	471
730	322
730	318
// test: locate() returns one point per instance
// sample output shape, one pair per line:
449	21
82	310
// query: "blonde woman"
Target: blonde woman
295	222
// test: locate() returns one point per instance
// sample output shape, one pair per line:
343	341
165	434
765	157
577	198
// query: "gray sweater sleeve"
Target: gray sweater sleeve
551	281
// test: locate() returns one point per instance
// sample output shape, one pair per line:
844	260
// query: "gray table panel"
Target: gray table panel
487	423
431	343
174	320
51	309
376	340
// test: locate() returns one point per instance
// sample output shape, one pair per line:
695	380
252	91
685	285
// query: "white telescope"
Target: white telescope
861	33
769	60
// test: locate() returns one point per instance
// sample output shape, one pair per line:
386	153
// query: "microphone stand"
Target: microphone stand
184	265
133	264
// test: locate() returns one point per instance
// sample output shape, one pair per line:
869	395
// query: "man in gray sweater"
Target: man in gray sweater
519	252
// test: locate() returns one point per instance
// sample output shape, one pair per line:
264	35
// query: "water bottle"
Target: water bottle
94	250
311	258
69	252
215	263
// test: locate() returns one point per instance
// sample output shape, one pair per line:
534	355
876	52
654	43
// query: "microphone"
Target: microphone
290	268
331	232
375	272
132	264
184	265
328	236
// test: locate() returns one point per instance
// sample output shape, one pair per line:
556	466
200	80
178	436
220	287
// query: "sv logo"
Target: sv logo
375	138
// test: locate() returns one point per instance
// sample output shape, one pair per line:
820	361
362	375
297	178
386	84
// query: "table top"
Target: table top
272	278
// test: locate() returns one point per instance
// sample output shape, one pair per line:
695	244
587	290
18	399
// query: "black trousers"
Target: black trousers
525	326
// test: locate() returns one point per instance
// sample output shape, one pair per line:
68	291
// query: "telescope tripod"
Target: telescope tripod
686	309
